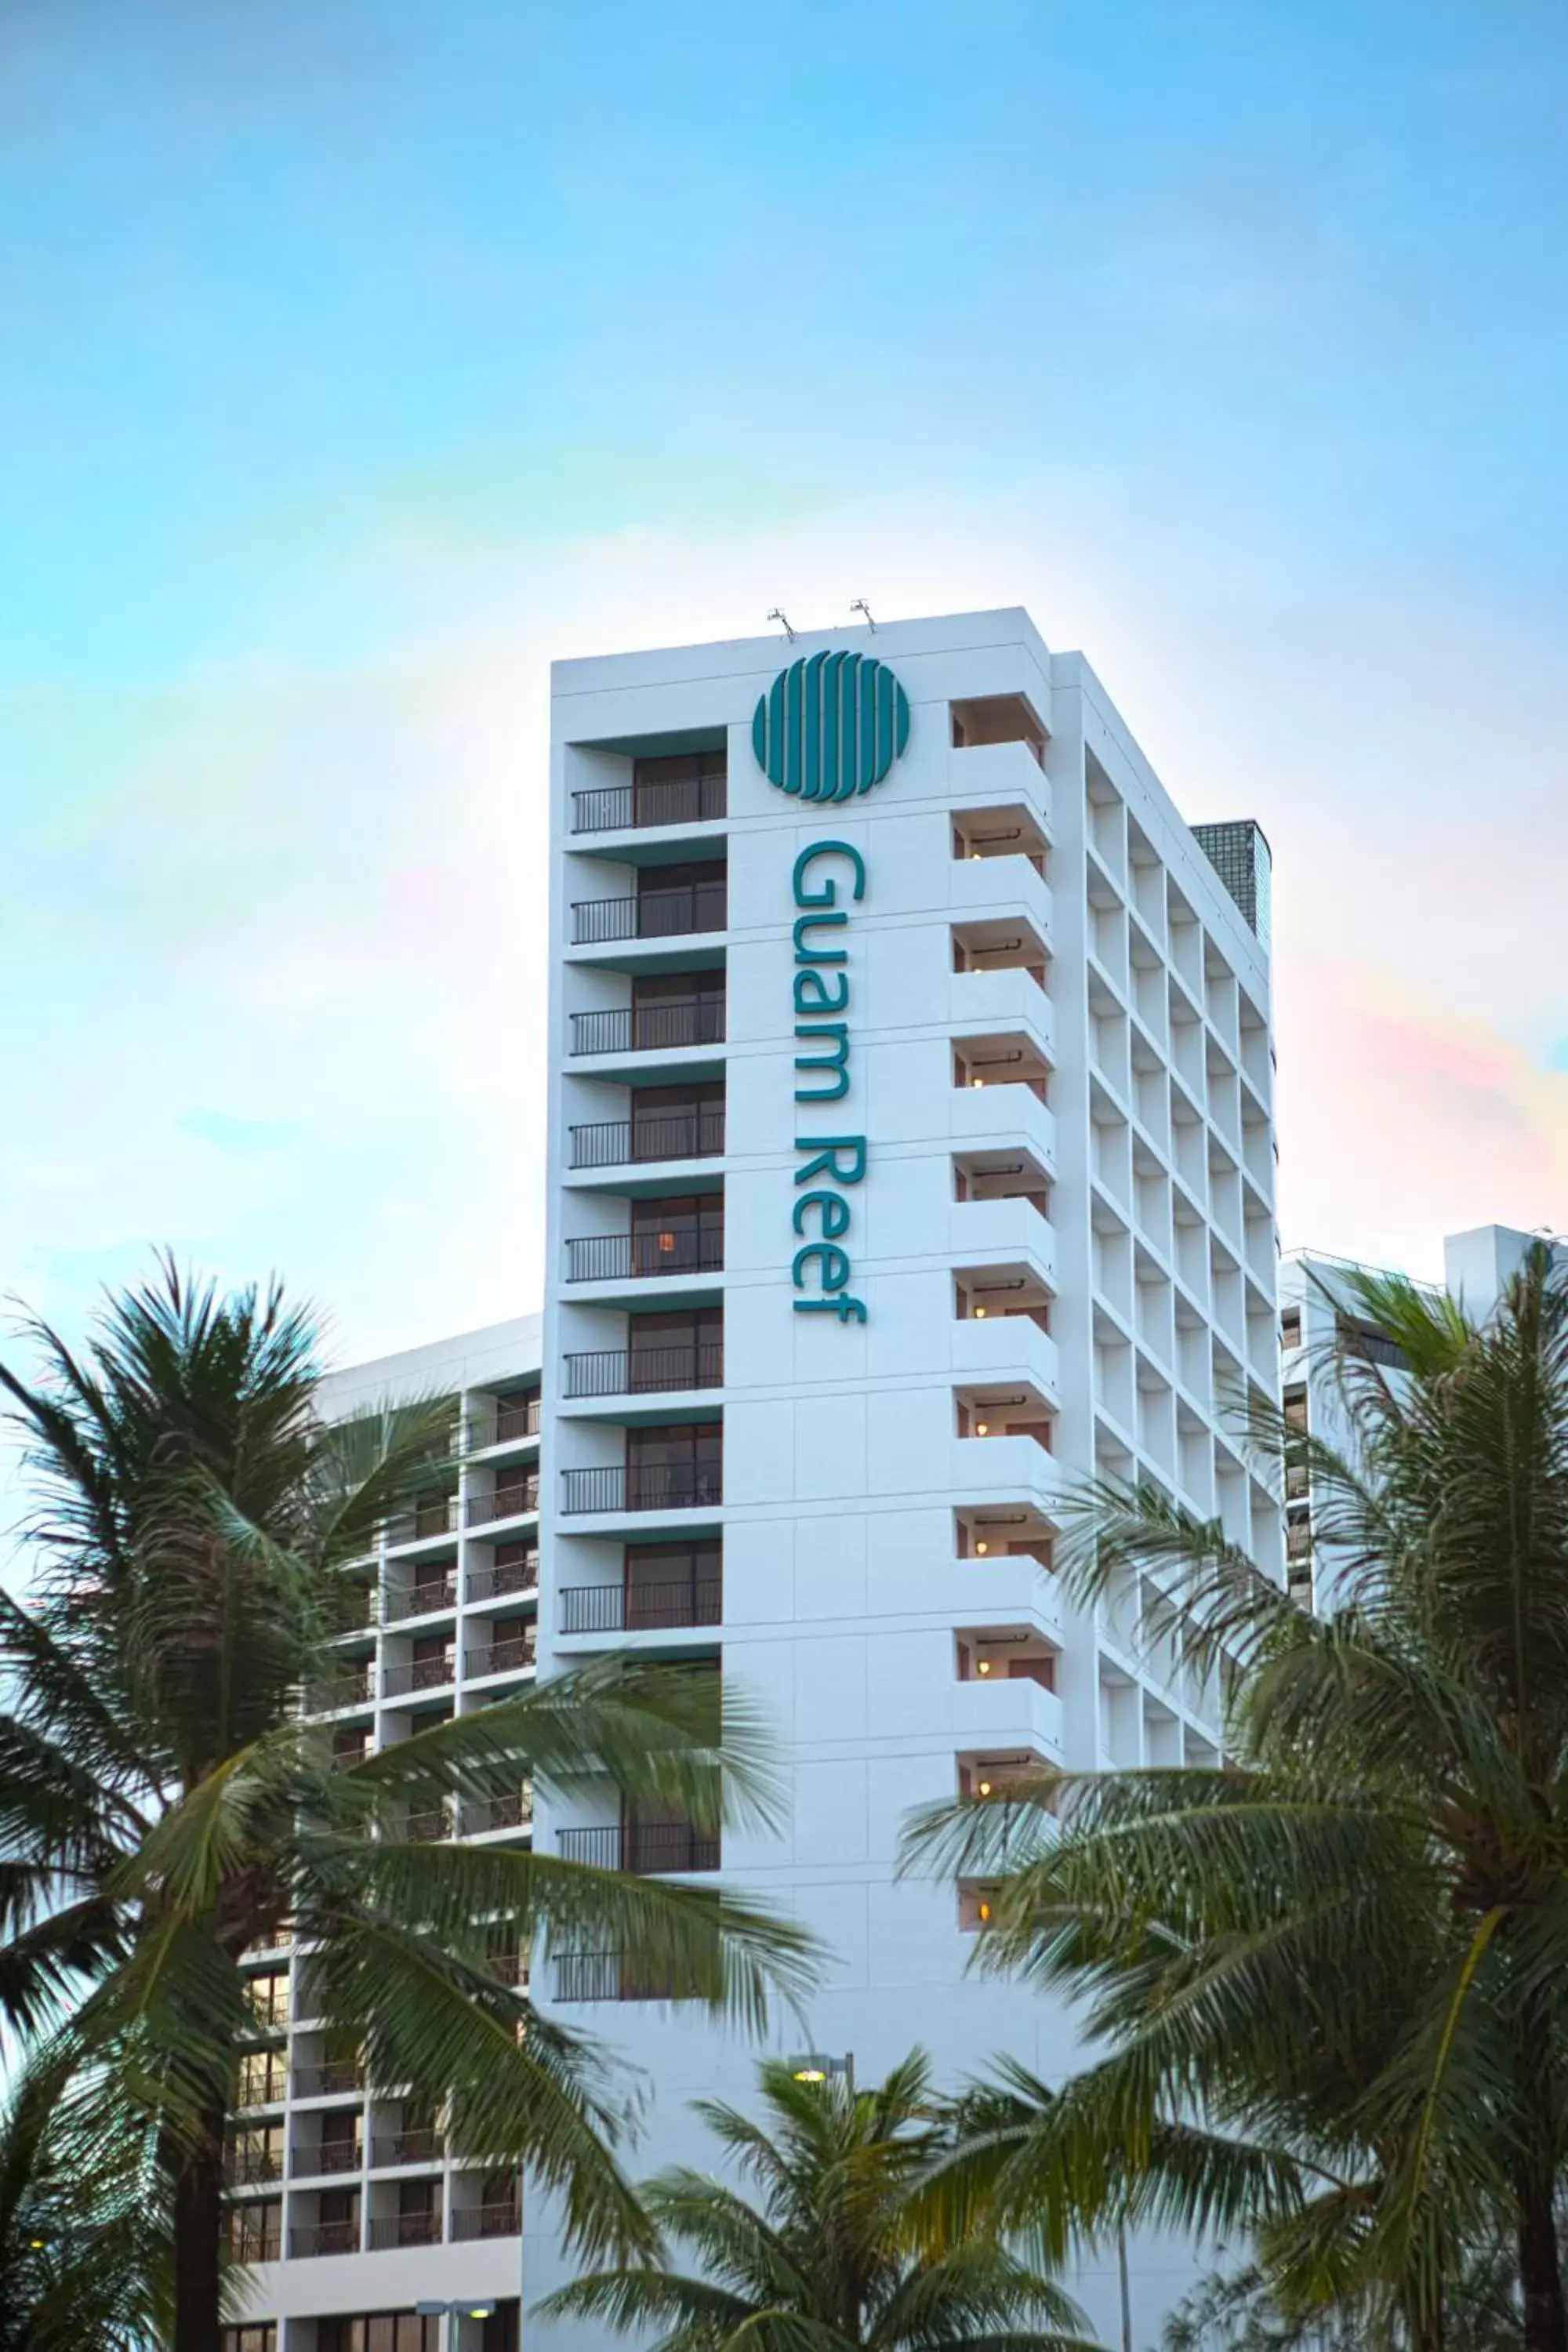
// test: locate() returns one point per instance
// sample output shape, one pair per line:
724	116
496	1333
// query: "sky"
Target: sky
357	359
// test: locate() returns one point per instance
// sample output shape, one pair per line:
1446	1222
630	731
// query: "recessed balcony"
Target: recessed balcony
486	1816
515	1654
642	1486
510	1420
420	1599
676	1247
1002	1654
684	1131
418	2229
336	2153
311	2239
660	910
681	790
646	1370
501	2218
667	1026
331	2078
425	2146
511	1498
1000	841
505	1577
1000	1061
414	1677
647	1849
666	1594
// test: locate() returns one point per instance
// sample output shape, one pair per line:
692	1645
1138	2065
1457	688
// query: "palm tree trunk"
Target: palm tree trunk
198	2224
1539	2267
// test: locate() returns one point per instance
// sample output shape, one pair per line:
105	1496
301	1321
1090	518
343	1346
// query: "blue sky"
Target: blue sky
356	360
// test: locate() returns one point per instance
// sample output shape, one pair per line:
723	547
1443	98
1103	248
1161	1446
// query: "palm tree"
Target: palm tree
83	2238
827	2258
1332	1977
165	1805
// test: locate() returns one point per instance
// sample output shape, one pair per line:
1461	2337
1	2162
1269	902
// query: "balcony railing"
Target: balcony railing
621	1257
504	1426
418	1675
387	2230
514	1812
611	1976
333	2078
353	1689
259	2245
508	1502
330	2156
647	1849
644	1487
487	2221
407	2148
647	1371
694	1134
650	1028
324	2238
618	808
506	1576
419	1599
425	1519
429	1827
252	2168
264	2085
500	1658
666	914
641	1608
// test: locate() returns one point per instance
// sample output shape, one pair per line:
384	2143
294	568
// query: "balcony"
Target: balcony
623	808
252	2168
642	1486
695	1134
407	2148
635	1257
256	2244
420	1599
641	1608
334	2078
389	2230
610	1976
508	1576
686	908
487	2221
352	1689
650	1028
509	1423
1016	1710
646	1371
646	1849
518	1497
514	1657
438	1517
492	1813
429	1827
331	2155
324	2238
417	1674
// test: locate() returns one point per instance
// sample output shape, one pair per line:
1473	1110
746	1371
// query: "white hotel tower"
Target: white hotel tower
910	1154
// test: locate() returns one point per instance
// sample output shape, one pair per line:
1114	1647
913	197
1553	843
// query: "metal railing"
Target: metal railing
506	1576
650	1028
332	2078
644	1487
419	1599
670	913
263	2085
509	1969
488	1813
641	1608
251	2167
407	2148
387	2230
646	1371
500	1657
508	1502
646	1849
253	2245
487	2221
621	1257
328	2155
611	1976
418	1675
620	808
425	1519
694	1134
324	2238
428	1827
353	1689
504	1426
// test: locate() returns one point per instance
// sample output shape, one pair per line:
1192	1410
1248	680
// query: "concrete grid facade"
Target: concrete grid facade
1055	1149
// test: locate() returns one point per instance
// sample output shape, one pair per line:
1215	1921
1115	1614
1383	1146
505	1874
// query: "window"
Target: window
260	2336
686	1231
1296	1407
266	1998
380	2331
256	2231
1291	1327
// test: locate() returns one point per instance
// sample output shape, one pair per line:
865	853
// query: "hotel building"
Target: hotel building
911	1158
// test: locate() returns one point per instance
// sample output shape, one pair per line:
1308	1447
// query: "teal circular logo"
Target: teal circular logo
831	726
